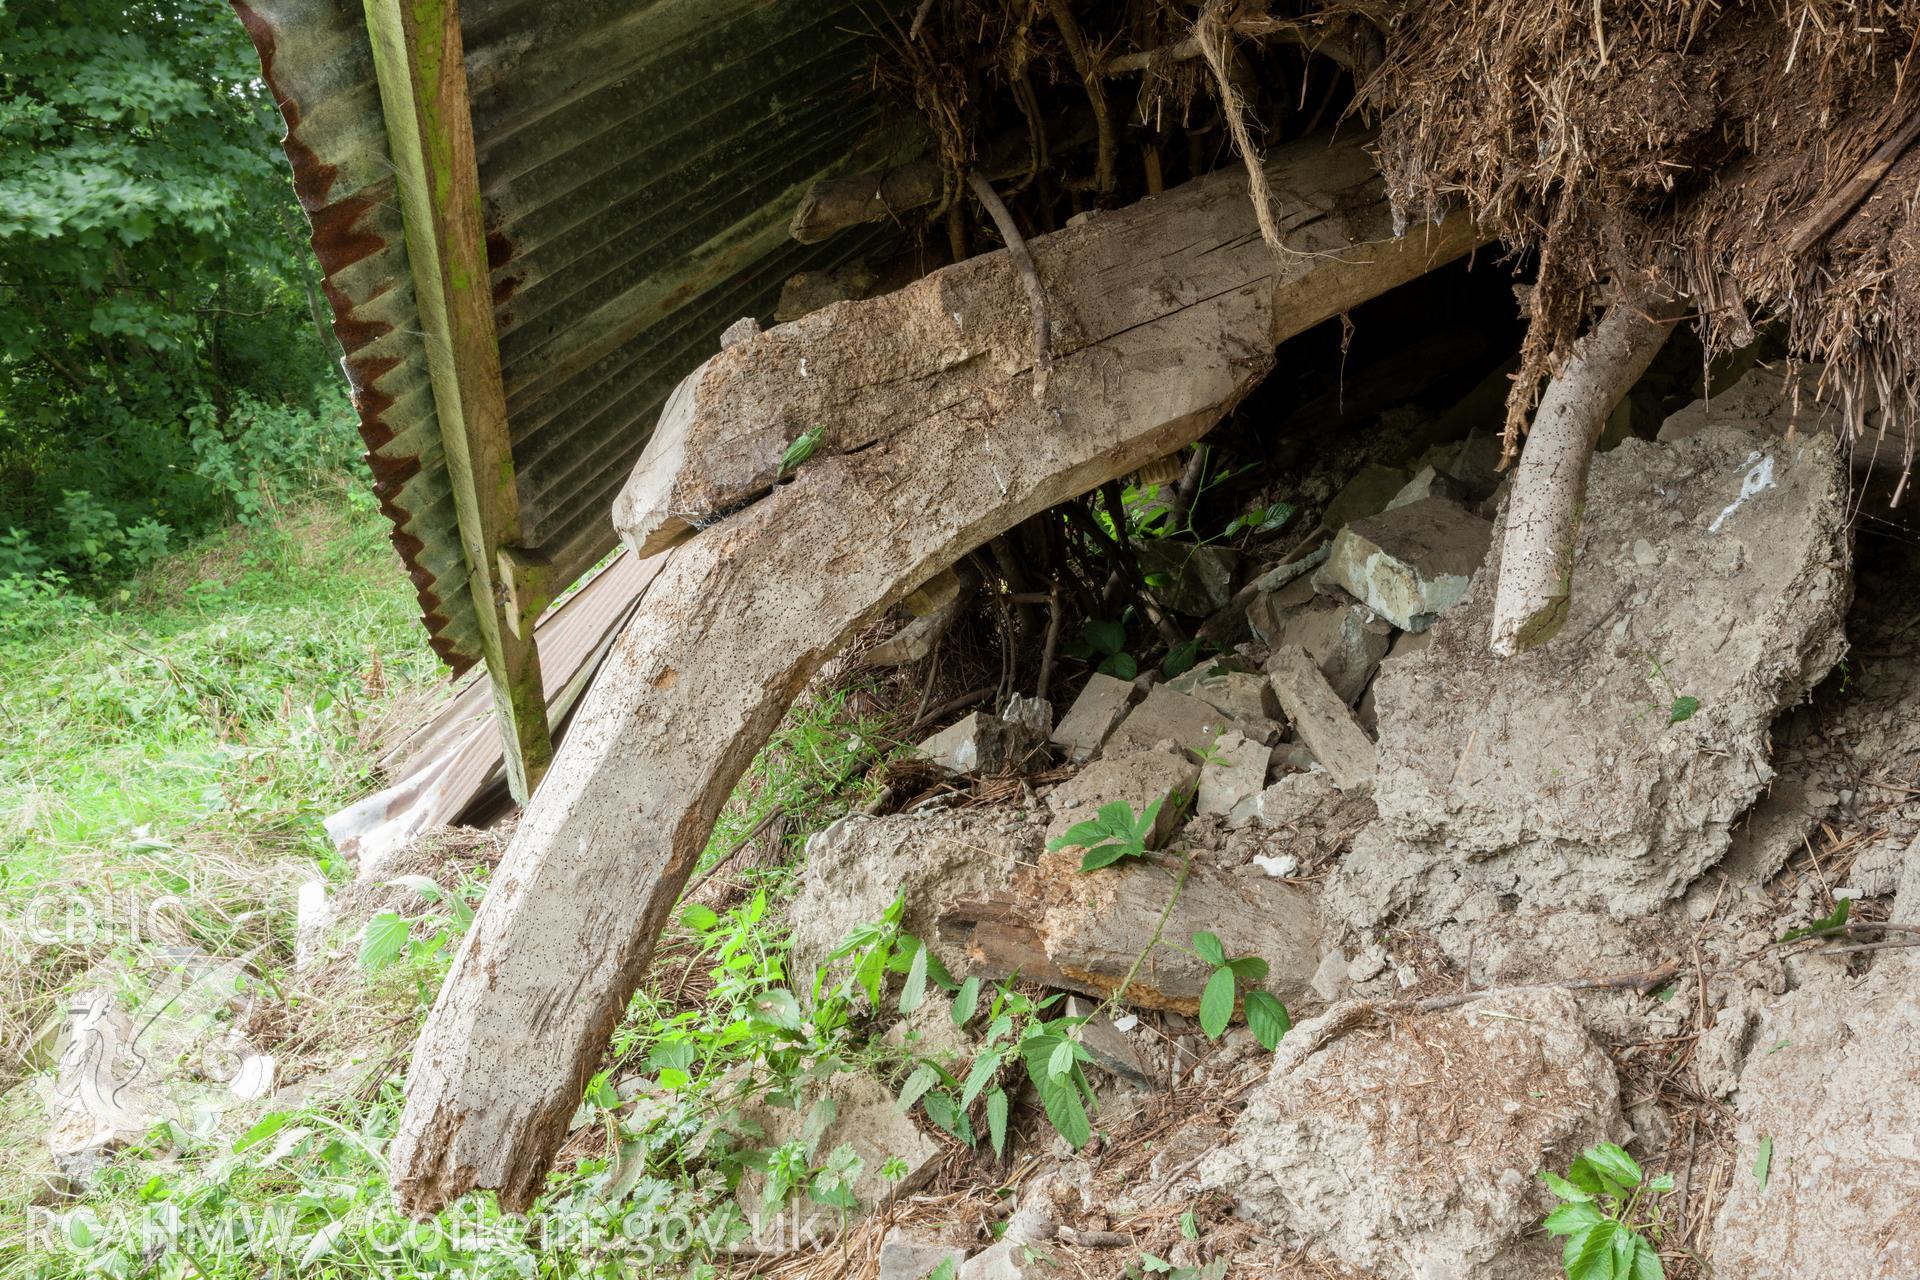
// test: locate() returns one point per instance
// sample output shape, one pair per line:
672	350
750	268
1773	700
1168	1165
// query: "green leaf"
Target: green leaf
966	1001
915	989
1248	968
985	1068
382	939
265	1127
1121	666
1216	1003
945	1271
777	1006
1189	1226
1763	1164
1661	1184
924	1077
422	886
1180	659
1564	1189
1208	947
1569	1218
1683	708
953	1119
1827	924
1060	1061
698	917
801	449
1267	1018
1106	637
1613	1161
1106	855
1589	1254
1646	1261
997	1121
1060	1098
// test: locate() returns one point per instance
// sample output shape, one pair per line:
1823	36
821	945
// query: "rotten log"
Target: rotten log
1550	485
1085	932
929	444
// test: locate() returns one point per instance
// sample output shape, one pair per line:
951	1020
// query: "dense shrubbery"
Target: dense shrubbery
162	365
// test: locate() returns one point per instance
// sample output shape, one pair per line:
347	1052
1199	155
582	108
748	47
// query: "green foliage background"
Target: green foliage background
164	356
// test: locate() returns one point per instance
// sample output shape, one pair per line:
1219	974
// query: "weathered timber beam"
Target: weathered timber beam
832	205
1169	312
421	66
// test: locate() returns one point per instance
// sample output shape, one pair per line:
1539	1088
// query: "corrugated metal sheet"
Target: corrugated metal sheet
638	161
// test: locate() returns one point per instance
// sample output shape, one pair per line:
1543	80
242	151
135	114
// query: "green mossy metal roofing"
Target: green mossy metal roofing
638	163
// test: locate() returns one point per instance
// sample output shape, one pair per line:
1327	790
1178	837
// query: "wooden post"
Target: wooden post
419	60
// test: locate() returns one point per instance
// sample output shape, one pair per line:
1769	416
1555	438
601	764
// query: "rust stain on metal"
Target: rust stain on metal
639	163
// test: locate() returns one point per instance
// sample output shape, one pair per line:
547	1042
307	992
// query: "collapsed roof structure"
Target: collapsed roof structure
536	221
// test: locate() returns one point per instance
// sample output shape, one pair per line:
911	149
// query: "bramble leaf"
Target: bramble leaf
1216	1003
1208	947
1268	1018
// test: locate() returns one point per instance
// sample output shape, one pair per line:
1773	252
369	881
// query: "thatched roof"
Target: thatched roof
1753	157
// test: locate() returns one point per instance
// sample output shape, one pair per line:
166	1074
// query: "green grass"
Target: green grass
182	740
186	736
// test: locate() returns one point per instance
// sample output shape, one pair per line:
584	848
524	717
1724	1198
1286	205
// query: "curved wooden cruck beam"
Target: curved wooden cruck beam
1167	313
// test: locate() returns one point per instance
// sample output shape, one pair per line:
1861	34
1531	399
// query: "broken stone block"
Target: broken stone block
1430	482
1009	1260
908	1255
1368	493
1346	639
1321	718
1404	643
856	866
1188	578
1834	1092
989	744
1764	399
1135	778
1410	564
1235	773
1292	800
1165	715
863	1117
1561	775
1108	1046
1084	729
1416	1151
1267	615
1474	462
1231	624
1239	694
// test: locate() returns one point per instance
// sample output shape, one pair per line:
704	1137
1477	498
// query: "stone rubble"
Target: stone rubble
1414	1150
1101	704
1410	564
1557	775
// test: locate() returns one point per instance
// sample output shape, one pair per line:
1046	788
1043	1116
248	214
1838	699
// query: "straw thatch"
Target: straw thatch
1752	157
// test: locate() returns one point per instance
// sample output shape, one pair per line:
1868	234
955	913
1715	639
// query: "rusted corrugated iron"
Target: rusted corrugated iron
638	160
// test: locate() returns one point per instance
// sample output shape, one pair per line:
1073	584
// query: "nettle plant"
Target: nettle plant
1607	1213
387	935
1018	1031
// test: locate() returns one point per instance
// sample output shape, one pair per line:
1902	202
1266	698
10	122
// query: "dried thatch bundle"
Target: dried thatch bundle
1749	156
